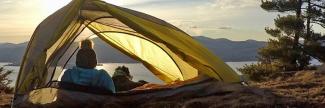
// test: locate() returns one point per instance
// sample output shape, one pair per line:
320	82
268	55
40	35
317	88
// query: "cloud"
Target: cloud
196	28
212	28
221	4
6	2
213	18
19	18
159	2
5	5
231	4
225	28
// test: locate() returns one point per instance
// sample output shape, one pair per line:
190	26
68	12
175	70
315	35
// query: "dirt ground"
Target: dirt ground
5	100
305	89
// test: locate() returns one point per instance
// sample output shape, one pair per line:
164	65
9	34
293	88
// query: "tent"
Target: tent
168	52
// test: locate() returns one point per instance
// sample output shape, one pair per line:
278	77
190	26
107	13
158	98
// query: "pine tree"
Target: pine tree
314	42
286	51
281	51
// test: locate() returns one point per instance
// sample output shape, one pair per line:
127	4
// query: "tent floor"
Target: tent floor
202	94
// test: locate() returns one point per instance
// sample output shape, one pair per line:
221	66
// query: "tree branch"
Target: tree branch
317	5
321	24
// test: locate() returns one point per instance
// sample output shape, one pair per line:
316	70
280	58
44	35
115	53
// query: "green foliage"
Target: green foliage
315	48
260	72
286	51
278	53
5	81
286	26
289	24
280	5
283	51
298	26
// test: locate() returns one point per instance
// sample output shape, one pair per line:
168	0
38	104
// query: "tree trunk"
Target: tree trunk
308	35
308	32
298	33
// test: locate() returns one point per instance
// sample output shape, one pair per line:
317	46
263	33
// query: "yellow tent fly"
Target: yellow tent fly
168	52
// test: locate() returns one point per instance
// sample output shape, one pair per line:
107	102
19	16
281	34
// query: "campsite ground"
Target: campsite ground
5	100
301	89
304	86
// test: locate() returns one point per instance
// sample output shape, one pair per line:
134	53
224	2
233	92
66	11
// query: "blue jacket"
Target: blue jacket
89	77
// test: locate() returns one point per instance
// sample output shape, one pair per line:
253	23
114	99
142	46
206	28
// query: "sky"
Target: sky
232	19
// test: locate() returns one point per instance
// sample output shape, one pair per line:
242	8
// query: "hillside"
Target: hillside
229	51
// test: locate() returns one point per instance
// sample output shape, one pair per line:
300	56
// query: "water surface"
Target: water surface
138	71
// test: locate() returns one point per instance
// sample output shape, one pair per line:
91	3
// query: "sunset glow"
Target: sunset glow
231	19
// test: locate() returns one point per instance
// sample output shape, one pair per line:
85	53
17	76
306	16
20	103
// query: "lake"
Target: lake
138	71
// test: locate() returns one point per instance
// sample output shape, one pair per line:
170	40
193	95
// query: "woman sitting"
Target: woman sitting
84	73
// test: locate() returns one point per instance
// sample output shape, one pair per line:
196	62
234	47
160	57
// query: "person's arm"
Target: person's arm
66	76
106	81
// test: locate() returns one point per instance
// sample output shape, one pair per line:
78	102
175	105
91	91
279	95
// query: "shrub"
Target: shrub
260	72
5	81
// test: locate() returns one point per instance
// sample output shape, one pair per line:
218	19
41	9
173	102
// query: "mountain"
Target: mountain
107	54
232	51
229	51
12	52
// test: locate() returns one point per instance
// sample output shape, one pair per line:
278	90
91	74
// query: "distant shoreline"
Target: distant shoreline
12	64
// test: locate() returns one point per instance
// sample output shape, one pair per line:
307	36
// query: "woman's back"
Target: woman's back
84	73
